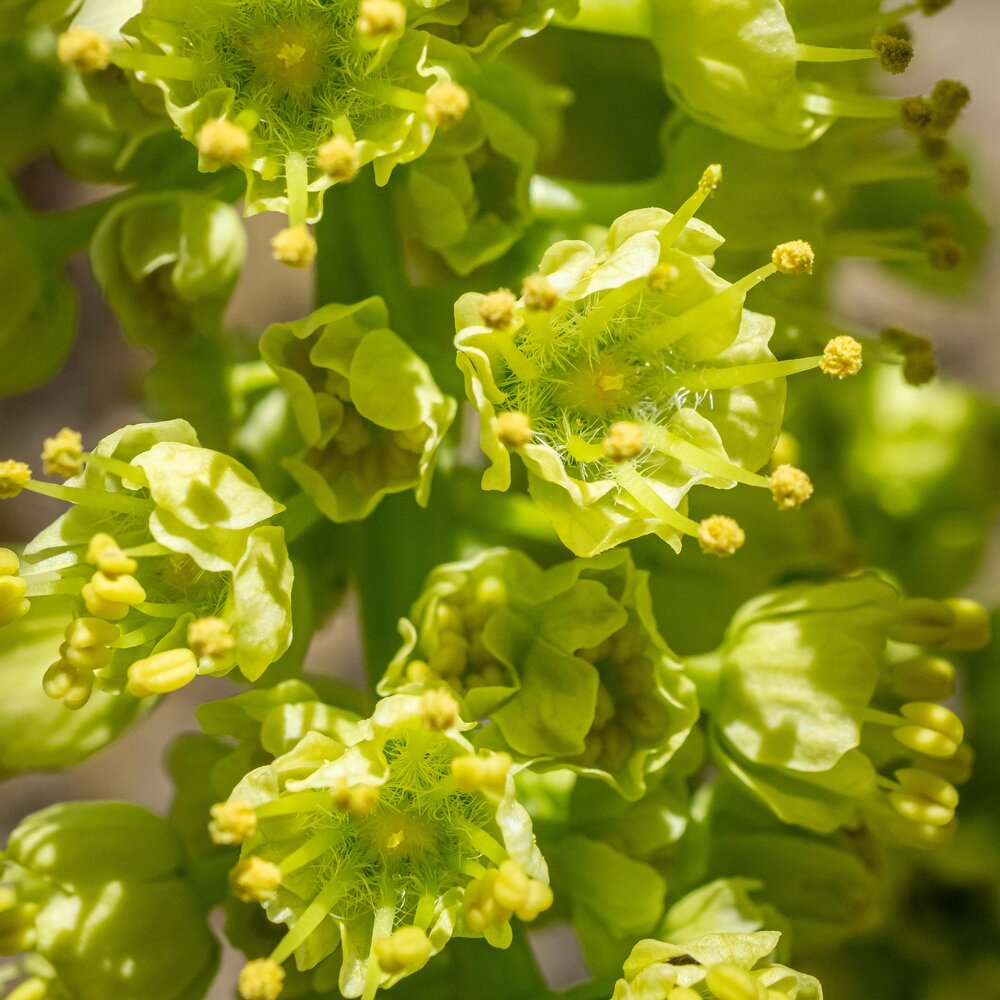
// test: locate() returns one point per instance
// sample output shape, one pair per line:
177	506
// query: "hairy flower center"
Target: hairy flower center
292	58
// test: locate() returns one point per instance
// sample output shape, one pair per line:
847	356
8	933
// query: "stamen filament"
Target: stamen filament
598	316
387	93
297	183
671	444
55	589
822	100
673	229
644	494
162	66
830	54
728	378
381	929
517	361
309	851
142	635
296	802
87	497
315	913
486	845
157	610
116	466
150	549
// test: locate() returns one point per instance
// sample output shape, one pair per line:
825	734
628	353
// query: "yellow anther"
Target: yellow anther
223	142
66	683
409	948
711	178
85	657
13	603
480	906
497	308
104	553
917	809
82	632
162	672
841	357
683	993
719	535
796	257
447	103
420	672
894	54
9	563
730	982
513	429
926	678
232	822
970	626
379	18
294	246
14	476
439	710
358	800
510	887
338	159
84	48
210	639
481	774
540	295
124	589
539	899
936	717
101	608
62	454
624	440
790	487
930	786
290	54
662	277
955	623
261	979
254	880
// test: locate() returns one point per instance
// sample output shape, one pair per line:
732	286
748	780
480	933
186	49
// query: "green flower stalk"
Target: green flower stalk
567	663
825	703
96	901
165	561
625	376
384	841
722	966
367	409
298	95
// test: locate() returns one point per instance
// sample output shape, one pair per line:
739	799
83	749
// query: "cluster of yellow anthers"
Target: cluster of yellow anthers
501	893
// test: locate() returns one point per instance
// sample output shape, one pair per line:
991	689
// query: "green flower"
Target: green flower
626	376
167	264
367	409
824	703
486	26
95	897
166	561
377	842
298	95
567	662
730	966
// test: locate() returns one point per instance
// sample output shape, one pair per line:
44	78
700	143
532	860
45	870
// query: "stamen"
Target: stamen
671	444
709	182
297	184
706	379
157	66
643	494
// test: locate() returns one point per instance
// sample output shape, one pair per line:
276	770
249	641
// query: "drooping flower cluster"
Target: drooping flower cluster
384	840
625	376
165	564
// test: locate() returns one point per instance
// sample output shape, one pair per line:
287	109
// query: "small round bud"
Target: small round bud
261	979
730	982
14	476
790	487
162	672
61	455
232	822
513	429
894	53
447	103
294	246
624	440
85	49
719	535
795	257
210	638
223	142
497	308
381	18
841	357
662	277
338	159
439	709
408	948
711	178
540	295
254	880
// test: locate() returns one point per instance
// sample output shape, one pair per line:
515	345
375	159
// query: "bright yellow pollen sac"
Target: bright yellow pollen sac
62	454
254	880
711	178
440	710
291	54
513	429
481	774
662	277
223	142
407	948
624	440
379	18
161	673
719	535
683	993
338	159
294	246
841	357
261	979
232	822
497	308
210	638
14	476
796	257
85	49
447	103
13	603
790	487
104	553
358	801
540	295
